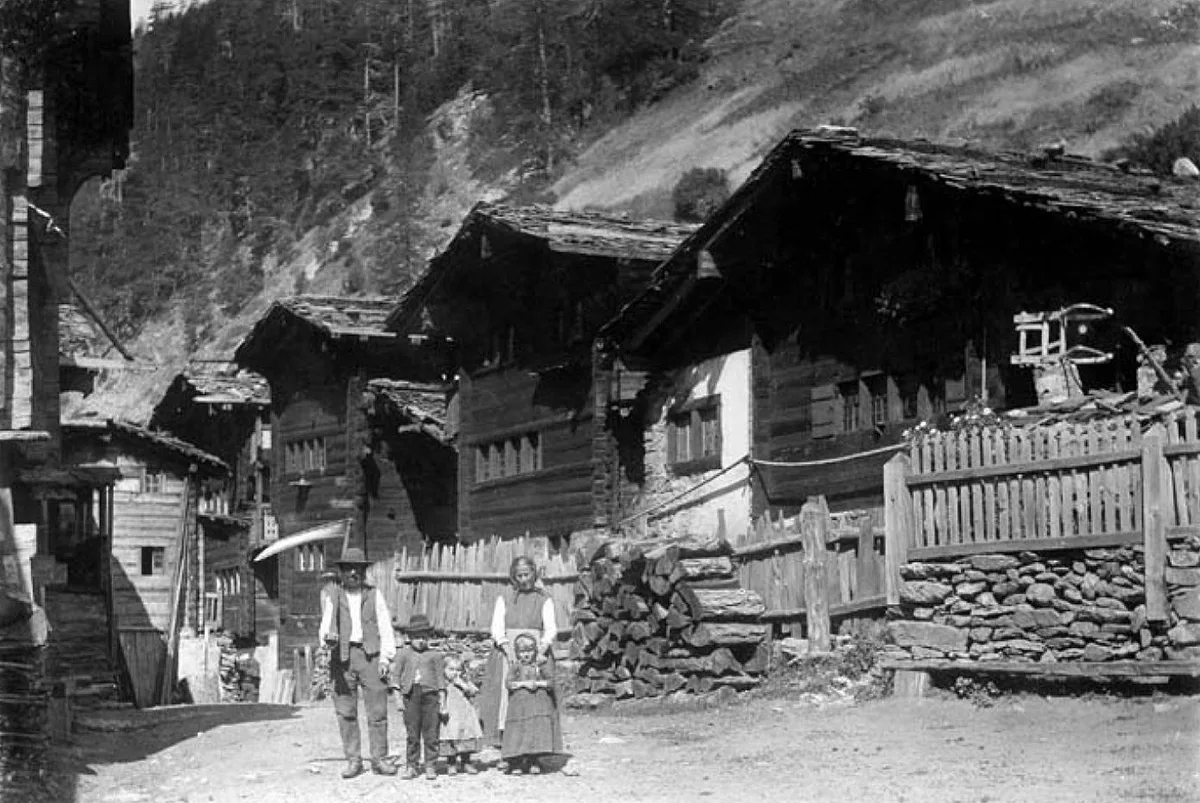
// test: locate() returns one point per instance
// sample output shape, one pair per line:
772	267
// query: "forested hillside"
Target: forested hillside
332	145
258	120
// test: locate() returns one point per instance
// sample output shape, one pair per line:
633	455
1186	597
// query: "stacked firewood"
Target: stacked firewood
24	735
661	617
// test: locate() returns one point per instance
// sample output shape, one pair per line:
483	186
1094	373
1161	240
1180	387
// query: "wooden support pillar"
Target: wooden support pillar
1156	502
814	523
910	684
898	522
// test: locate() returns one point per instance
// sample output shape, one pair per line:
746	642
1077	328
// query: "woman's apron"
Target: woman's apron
522	615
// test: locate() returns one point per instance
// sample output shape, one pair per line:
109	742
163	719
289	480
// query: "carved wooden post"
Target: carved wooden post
814	522
1156	502
898	521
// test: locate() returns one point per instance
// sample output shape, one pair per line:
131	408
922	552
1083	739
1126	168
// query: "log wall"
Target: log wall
784	381
554	501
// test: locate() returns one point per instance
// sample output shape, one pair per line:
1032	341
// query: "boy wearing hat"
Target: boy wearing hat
420	678
355	623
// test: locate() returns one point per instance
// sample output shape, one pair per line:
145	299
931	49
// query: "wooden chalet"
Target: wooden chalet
145	544
521	292
318	354
874	284
227	412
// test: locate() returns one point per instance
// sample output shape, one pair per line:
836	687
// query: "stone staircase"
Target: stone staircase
77	653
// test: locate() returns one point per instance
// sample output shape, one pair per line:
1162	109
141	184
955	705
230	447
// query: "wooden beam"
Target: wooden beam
1157	500
814	519
1027	544
1084	669
663	312
1035	467
898	522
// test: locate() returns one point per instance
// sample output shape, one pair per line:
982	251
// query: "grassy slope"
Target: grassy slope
1006	74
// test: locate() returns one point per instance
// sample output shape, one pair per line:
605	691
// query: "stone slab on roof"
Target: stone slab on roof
414	404
598	233
225	383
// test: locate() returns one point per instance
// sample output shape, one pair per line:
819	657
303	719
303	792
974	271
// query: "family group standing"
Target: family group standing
517	704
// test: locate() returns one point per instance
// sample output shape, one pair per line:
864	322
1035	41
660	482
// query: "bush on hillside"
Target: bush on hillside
1158	150
699	192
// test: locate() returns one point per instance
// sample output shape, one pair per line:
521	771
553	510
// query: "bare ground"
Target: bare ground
1024	748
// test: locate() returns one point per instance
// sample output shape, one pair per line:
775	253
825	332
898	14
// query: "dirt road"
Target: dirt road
1024	748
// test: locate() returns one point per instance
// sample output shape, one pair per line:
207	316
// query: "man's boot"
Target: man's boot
354	768
381	766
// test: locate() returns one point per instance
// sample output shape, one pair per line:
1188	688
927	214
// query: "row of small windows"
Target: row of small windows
511	457
872	401
306	454
310	558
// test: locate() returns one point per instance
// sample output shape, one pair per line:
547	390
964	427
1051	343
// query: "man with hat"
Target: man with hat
355	623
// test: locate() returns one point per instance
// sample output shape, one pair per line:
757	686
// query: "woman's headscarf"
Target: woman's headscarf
518	562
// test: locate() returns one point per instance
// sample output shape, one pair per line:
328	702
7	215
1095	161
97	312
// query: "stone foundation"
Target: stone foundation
1078	605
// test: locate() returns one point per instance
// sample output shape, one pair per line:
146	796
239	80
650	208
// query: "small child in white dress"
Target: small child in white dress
461	734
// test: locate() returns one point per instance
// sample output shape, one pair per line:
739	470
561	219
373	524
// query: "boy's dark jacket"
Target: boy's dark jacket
404	669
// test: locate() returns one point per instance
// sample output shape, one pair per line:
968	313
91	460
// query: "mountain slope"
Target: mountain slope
1008	74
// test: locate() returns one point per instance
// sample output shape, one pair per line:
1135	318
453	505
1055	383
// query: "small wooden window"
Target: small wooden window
848	393
154	482
511	457
877	392
154	560
481	463
694	436
310	558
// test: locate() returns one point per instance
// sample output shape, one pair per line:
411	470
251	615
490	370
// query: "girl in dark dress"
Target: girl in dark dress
531	727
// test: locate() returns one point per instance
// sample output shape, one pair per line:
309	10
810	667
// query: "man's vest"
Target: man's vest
370	624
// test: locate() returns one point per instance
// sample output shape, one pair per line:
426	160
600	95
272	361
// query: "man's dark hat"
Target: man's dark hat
353	557
418	624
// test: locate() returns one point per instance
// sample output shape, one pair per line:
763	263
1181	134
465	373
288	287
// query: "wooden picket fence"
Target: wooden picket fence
1068	485
456	585
772	558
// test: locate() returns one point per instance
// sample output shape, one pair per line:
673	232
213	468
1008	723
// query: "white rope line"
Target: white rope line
755	461
683	493
827	461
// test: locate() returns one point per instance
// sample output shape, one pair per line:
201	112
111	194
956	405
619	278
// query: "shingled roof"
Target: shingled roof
153	438
1166	210
421	407
584	233
333	317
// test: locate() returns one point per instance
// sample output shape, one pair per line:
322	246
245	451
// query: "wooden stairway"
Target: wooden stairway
77	654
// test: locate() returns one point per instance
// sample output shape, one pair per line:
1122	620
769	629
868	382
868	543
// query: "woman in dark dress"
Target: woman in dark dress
524	607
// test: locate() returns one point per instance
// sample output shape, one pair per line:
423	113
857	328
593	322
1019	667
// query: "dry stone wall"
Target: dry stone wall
1079	605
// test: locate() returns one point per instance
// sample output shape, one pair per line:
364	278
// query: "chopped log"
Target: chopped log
699	684
724	633
623	690
659	586
658	613
721	661
646	658
697	569
736	682
657	645
622	673
582	613
583	587
692	547
617	630
631	654
677	620
715	582
636	607
649	674
600	686
637	631
707	604
642	689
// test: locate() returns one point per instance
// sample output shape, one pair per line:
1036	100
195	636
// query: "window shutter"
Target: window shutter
956	392
824	411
